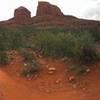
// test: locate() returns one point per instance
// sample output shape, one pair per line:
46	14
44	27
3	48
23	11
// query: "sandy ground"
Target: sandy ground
45	86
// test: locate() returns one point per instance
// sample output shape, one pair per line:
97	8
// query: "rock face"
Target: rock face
48	15
45	8
22	15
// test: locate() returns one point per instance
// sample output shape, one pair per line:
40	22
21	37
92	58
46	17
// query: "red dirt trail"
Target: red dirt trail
44	86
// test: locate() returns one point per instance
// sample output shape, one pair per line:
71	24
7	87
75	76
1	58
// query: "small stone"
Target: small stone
36	76
29	79
88	70
71	78
27	75
25	64
64	59
58	81
52	69
74	86
84	89
51	72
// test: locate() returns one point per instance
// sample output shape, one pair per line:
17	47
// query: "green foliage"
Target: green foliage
4	58
31	62
78	69
73	45
76	44
95	32
30	70
56	42
28	55
15	38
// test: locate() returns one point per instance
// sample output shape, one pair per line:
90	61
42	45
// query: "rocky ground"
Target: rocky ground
50	84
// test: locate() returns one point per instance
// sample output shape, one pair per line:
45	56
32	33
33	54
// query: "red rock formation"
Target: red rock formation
47	16
22	15
45	8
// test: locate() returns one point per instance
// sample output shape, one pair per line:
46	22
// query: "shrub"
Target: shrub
50	44
78	69
30	70
85	48
95	32
32	65
4	58
55	42
28	55
79	46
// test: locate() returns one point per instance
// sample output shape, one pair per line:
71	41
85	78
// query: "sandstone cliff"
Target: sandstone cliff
22	15
45	8
47	15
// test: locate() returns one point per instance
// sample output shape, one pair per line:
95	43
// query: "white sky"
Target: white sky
80	8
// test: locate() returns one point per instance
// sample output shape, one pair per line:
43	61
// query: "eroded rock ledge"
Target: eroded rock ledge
47	15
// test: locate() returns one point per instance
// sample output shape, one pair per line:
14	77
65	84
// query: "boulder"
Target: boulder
45	8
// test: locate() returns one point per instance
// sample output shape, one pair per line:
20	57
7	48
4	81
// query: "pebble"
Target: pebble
74	86
84	89
64	59
51	72
52	69
71	78
25	64
29	79
27	75
58	81
88	70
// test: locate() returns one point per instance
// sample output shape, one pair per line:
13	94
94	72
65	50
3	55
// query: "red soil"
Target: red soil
45	86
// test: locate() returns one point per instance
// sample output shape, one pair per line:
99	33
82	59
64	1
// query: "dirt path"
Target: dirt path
14	90
44	87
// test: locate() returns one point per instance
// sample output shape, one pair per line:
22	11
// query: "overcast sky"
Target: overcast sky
89	9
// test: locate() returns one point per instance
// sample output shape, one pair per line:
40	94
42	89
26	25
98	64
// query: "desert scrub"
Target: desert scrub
30	70
28	55
87	48
31	65
79	46
51	44
78	69
4	58
54	42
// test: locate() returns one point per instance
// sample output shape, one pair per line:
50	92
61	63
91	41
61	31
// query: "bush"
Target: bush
95	32
28	55
55	42
85	48
78	69
79	46
31	62
50	44
4	58
30	70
